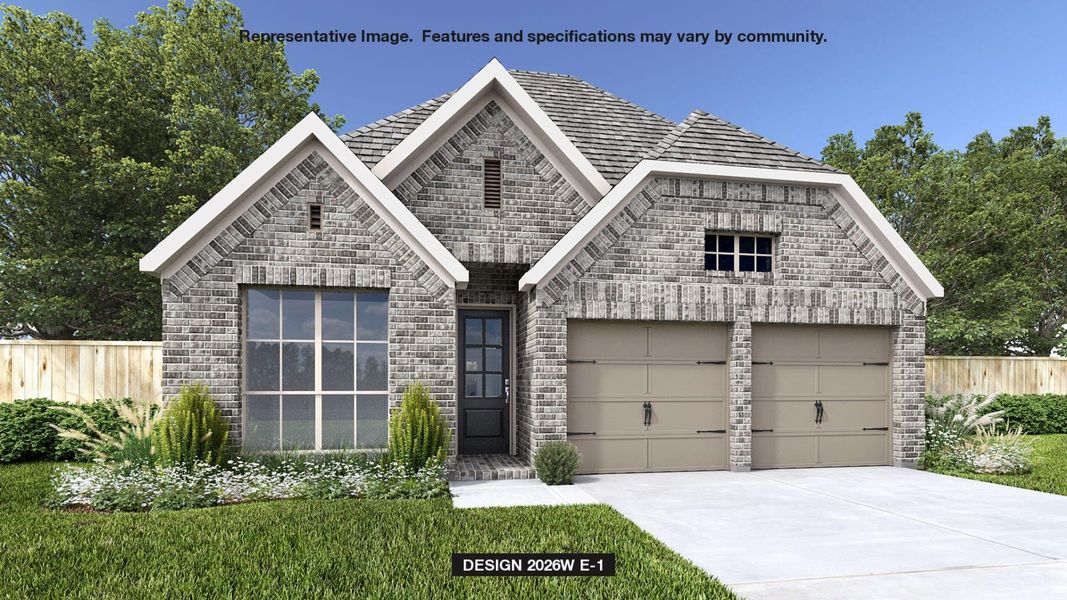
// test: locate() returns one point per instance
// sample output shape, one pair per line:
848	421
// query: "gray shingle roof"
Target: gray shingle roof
373	141
704	138
614	134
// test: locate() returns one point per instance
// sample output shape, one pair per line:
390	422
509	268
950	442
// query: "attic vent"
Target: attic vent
492	183
314	217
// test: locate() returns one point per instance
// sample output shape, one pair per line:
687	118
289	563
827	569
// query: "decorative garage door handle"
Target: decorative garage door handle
876	429
818	411
762	430
711	431
581	433
648	414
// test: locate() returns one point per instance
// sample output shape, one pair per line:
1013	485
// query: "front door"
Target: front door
484	381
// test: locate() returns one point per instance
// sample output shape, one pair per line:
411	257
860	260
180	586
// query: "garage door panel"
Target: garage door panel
611	455
775	450
687	416
591	380
862	344
854	449
687	380
863	380
607	339
666	454
697	341
782	343
606	416
780	415
854	414
784	380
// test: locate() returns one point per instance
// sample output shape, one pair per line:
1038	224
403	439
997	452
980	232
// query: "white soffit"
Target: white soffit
851	197
309	135
493	82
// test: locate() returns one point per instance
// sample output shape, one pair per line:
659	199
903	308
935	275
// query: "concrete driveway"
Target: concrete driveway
864	532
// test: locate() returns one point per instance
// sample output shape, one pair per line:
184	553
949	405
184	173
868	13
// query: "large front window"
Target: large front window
316	370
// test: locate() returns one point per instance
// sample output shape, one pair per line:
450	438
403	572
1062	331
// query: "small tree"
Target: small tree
417	433
192	430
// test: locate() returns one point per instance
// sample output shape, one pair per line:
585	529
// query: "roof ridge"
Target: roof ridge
778	145
392	118
672	136
599	89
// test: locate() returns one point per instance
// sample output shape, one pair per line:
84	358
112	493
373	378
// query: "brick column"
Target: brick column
740	374
909	390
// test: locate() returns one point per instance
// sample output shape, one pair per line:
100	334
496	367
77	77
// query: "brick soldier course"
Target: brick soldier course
643	262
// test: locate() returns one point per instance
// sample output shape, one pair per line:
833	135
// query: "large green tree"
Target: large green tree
989	220
106	147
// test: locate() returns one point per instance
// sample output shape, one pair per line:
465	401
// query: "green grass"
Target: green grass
394	549
1050	467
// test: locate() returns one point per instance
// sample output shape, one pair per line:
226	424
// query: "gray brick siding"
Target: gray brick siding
270	245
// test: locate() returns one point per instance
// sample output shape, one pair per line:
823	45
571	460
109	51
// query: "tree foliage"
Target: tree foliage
990	221
105	148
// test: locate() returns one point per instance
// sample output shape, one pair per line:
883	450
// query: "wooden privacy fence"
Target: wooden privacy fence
84	371
79	371
995	375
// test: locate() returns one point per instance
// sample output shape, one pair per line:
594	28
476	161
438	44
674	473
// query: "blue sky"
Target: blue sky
967	67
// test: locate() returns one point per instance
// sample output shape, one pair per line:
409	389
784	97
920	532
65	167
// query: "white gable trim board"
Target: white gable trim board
851	197
493	83
309	135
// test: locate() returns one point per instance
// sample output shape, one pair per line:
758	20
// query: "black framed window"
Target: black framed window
738	252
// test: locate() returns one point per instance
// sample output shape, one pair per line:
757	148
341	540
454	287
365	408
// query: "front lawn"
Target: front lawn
317	549
1049	472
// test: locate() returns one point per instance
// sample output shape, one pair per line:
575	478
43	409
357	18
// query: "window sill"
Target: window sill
742	276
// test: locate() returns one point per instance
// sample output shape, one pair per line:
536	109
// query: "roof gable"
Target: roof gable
493	83
859	207
309	135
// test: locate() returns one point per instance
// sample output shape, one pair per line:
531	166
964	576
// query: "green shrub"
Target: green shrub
417	433
1034	413
25	433
132	445
102	412
192	430
557	462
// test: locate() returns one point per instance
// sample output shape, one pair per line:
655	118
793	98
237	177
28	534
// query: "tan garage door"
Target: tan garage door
647	396
820	396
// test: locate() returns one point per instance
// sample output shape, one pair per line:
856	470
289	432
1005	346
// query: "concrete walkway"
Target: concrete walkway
869	532
515	492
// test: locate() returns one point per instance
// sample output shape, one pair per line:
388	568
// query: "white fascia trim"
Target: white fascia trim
852	198
308	135
403	159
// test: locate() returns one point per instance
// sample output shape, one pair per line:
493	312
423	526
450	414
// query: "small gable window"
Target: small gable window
738	252
491	185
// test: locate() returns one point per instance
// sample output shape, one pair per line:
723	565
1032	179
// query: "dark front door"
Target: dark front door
484	381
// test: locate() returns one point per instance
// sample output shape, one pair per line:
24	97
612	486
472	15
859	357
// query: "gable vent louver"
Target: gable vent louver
492	183
314	217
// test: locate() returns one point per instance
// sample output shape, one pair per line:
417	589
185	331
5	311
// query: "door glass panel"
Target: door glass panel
474	331
372	420
338	316
473	358
372	309
493	329
263	366
338	362
474	386
372	365
298	422
298	315
261	423
492	359
338	421
493	388
298	366
263	323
